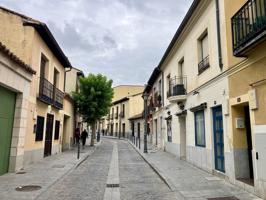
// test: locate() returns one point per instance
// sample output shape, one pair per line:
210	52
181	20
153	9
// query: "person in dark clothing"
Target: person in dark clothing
77	135
84	136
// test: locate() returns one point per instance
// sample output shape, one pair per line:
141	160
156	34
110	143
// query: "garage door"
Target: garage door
7	107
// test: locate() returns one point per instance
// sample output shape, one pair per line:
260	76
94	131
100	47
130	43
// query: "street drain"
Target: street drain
112	185
28	188
58	166
223	198
21	172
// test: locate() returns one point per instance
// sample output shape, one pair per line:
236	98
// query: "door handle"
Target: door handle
257	156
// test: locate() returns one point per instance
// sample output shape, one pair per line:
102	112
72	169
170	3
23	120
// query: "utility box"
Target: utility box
240	123
260	146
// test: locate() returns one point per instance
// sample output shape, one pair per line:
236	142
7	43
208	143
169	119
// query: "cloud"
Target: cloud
123	39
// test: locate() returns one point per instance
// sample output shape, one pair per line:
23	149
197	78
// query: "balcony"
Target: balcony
177	89
157	99
58	98
203	65
248	26
49	94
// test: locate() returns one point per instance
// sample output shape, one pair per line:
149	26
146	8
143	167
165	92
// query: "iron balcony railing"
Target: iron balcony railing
49	94
58	98
177	86
248	25
203	65
46	91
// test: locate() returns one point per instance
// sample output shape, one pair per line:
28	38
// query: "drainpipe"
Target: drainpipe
219	35
65	77
162	87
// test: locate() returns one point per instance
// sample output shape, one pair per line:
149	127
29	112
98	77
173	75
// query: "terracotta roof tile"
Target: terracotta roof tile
16	59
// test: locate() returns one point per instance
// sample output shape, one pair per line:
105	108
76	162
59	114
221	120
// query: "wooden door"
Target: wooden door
48	135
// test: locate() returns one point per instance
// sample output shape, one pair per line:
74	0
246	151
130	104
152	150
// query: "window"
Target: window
39	128
199	128
203	53
57	129
168	85
181	68
43	70
160	87
169	130
133	128
123	110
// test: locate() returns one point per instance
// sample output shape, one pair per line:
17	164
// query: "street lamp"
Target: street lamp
145	97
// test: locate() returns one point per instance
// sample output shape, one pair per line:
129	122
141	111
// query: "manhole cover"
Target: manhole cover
223	198
58	166
21	172
112	185
28	188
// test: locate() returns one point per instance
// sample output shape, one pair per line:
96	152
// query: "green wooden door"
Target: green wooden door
7	108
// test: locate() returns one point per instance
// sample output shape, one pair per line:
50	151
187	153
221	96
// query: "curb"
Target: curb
155	169
75	166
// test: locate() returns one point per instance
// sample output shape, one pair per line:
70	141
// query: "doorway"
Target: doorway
218	138
242	137
183	137
48	135
123	130
67	133
7	109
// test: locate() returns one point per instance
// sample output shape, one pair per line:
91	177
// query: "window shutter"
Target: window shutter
39	128
57	130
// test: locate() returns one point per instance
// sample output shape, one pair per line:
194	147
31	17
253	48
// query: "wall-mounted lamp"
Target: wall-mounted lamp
195	92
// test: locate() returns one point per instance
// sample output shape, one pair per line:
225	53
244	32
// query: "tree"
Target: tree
94	99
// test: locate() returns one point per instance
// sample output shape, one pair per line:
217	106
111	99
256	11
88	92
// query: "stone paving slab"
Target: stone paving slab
188	181
44	173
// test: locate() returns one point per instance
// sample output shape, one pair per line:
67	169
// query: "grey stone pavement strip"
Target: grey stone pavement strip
44	173
112	191
189	181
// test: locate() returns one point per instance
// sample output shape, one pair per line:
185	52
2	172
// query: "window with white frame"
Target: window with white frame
199	128
203	53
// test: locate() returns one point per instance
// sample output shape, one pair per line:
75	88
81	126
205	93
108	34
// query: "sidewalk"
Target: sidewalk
44	173
188	181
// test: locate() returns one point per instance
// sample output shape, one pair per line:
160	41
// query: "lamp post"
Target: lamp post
145	97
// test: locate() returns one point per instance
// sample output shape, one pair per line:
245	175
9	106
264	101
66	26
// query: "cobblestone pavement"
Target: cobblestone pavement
137	179
43	173
88	181
191	182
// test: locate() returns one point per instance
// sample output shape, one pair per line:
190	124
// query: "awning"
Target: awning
182	113
198	108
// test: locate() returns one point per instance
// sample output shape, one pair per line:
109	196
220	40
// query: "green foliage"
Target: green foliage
94	98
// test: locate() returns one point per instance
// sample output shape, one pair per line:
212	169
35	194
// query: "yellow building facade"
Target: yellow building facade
127	102
33	43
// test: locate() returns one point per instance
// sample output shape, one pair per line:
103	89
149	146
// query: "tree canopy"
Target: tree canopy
94	97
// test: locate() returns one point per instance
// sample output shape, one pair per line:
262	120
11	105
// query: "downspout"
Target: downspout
65	77
219	35
162	88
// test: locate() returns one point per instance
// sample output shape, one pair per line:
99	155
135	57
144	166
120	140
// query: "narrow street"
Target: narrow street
88	181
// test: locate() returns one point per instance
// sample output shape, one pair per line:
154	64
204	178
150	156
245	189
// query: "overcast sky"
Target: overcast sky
123	39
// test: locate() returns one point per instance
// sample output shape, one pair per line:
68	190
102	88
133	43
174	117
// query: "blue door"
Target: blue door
218	138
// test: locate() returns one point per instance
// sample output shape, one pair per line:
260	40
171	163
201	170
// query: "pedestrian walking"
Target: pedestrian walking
77	135
84	136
